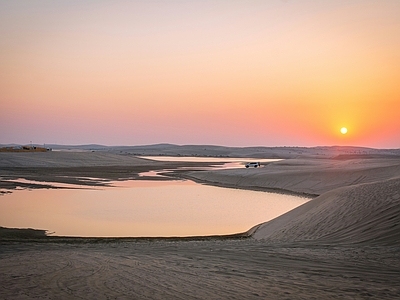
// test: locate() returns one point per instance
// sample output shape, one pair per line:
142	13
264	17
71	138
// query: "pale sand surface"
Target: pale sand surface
231	269
302	175
344	244
366	213
67	159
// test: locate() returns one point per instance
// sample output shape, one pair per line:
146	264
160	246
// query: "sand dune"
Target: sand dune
67	159
305	175
258	152
364	213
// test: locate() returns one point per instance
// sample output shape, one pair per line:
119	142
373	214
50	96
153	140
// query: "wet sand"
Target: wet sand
344	244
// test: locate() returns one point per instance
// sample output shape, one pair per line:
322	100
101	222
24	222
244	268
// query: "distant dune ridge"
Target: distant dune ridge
222	151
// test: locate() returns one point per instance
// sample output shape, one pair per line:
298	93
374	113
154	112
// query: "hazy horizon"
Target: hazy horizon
188	145
229	73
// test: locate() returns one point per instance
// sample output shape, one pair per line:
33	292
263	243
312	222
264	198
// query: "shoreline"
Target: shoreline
77	176
31	235
249	188
307	177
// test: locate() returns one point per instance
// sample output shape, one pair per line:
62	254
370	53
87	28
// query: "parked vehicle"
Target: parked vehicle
252	165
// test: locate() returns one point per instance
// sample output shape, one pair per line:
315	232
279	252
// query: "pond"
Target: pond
144	208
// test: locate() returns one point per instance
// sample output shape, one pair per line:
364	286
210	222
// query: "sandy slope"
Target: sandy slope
305	175
365	213
67	159
258	152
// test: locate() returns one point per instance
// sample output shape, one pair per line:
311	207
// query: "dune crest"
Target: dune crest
364	213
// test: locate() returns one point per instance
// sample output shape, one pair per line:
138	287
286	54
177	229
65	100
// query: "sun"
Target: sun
343	130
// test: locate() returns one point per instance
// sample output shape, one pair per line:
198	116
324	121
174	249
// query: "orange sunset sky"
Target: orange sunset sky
235	73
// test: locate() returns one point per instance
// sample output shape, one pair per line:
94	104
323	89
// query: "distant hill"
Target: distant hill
256	152
339	152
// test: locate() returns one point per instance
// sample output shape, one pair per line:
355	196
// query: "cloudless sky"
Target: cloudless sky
235	73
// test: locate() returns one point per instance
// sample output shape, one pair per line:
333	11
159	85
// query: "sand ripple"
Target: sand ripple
364	213
238	269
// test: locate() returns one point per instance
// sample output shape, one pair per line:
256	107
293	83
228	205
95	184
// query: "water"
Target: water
209	159
143	208
220	162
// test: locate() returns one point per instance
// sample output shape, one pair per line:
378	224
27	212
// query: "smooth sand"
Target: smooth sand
344	244
366	213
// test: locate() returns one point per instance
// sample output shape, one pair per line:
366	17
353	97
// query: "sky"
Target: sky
232	73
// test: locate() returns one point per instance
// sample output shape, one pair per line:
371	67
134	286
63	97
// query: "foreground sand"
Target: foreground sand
229	269
344	244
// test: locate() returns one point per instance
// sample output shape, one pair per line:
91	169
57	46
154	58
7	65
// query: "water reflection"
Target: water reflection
221	163
143	208
56	184
240	160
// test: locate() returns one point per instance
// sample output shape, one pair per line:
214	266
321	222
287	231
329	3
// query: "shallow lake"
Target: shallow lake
143	208
136	208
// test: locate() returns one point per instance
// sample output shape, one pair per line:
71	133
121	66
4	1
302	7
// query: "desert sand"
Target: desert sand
343	244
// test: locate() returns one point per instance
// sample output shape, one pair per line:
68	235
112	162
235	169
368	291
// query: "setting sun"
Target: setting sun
329	64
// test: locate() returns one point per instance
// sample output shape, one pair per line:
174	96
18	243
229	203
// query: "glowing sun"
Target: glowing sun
343	130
